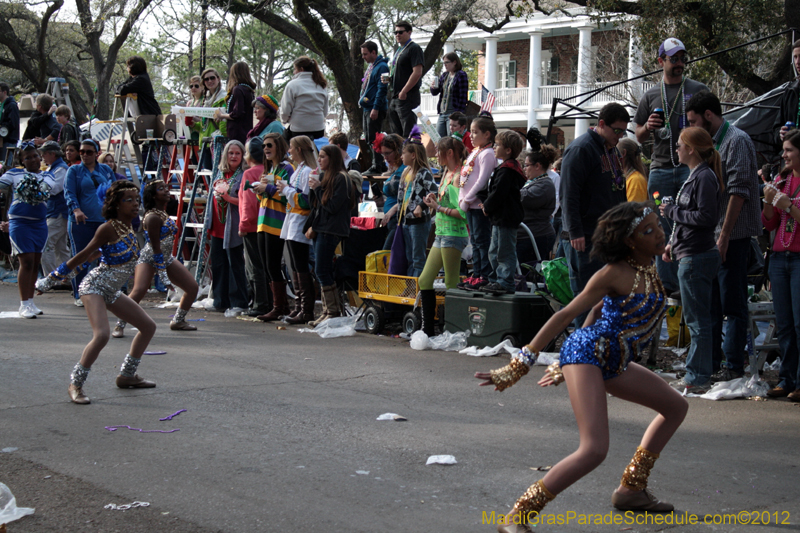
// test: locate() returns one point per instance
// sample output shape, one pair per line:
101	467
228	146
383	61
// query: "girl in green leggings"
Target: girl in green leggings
451	230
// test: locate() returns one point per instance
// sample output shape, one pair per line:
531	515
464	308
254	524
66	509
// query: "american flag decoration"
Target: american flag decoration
487	97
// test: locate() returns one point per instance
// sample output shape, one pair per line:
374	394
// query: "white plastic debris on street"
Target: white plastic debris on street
735	388
487	351
343	326
9	314
447	341
547	358
441	460
392	416
8	506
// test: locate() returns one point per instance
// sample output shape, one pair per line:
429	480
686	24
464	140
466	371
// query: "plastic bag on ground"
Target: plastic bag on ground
490	350
735	388
447	341
547	358
8	506
343	326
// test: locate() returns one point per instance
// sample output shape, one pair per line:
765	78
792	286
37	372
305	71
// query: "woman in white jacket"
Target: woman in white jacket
298	205
304	105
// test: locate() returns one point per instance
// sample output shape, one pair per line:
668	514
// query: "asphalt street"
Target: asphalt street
280	434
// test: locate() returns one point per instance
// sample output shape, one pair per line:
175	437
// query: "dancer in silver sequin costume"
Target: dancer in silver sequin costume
100	289
157	258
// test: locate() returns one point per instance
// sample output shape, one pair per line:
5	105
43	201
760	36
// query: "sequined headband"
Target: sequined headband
638	220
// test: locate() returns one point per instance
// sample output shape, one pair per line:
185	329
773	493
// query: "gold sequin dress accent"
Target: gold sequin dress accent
117	265
625	328
637	472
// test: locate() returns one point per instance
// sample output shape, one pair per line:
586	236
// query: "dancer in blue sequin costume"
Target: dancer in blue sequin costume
100	289
157	258
627	303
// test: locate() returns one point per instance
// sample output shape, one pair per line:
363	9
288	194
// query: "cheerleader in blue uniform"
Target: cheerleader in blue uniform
627	301
30	189
100	289
157	258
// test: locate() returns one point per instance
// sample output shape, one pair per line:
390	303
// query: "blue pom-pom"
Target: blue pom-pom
102	189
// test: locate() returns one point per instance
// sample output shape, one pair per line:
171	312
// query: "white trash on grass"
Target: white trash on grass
441	460
8	506
447	341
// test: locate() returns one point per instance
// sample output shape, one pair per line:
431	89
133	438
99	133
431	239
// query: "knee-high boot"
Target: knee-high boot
428	305
305	290
281	307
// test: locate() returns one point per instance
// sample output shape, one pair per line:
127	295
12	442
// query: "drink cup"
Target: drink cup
385	78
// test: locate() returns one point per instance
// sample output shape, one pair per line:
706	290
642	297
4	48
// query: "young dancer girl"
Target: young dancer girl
157	258
451	230
100	289
627	301
31	189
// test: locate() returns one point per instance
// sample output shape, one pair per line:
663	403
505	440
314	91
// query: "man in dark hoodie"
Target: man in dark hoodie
592	182
503	206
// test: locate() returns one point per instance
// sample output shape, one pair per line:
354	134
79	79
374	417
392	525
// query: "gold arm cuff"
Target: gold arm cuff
504	377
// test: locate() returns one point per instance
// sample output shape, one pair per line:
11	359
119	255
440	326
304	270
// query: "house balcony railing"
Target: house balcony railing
516	100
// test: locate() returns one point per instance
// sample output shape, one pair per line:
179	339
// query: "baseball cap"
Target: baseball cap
670	47
50	146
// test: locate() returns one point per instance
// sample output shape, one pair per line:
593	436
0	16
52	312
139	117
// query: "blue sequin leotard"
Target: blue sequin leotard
169	230
625	328
117	265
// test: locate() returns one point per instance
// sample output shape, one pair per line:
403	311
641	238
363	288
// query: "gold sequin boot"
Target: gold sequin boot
635	478
526	509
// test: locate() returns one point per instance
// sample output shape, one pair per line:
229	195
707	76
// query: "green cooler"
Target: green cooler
492	319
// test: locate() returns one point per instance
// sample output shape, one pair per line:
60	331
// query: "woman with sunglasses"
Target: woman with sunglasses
271	217
208	127
85	208
452	87
116	245
30	189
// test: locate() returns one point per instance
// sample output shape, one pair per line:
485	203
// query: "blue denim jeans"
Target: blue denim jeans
697	276
503	256
784	273
730	299
415	237
443	124
480	234
324	248
667	182
581	269
80	235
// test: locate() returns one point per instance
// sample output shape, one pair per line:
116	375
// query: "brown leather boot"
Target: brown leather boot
305	284
281	306
330	304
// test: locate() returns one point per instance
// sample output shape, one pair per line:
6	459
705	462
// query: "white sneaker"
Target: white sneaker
35	309
26	312
78	303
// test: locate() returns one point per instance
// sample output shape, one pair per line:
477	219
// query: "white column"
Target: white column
584	72
634	69
534	77
490	64
448	47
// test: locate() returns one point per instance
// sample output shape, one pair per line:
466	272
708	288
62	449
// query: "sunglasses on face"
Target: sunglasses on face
679	59
618	131
209	78
194	86
87	152
399	32
269	145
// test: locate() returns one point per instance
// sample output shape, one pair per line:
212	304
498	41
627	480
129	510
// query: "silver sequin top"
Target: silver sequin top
117	265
